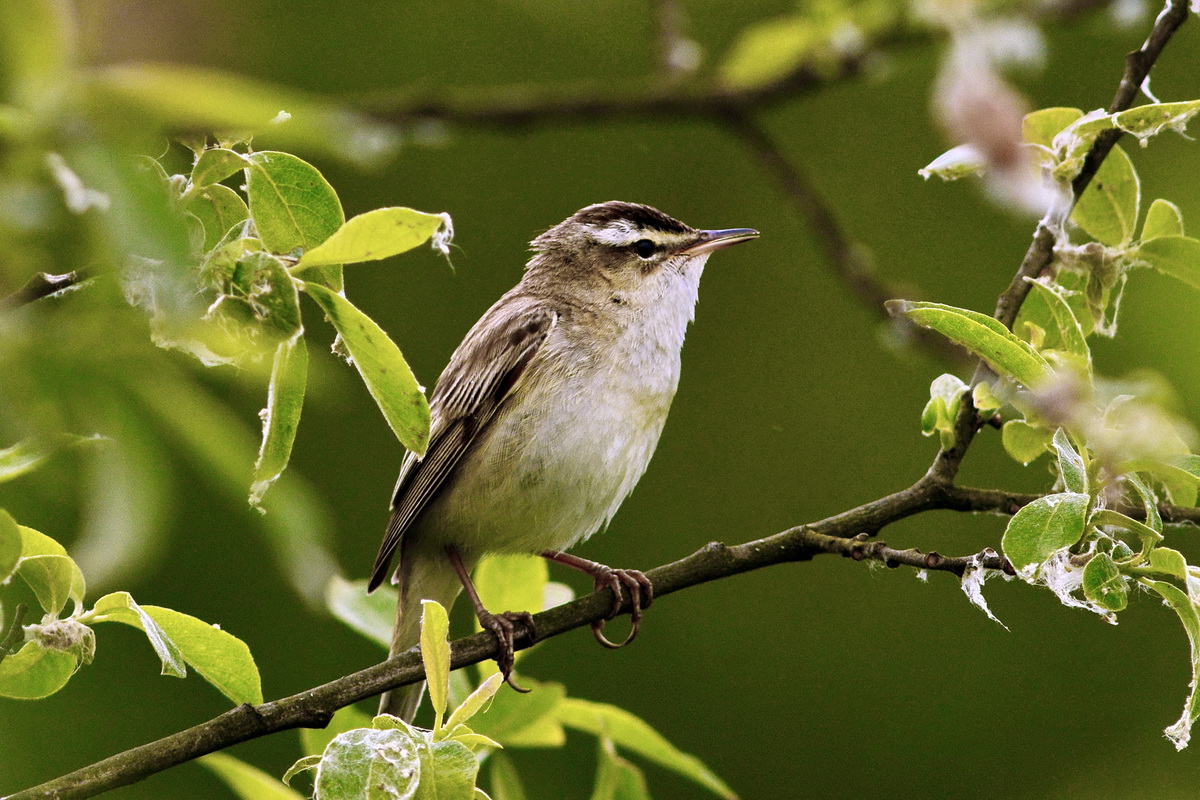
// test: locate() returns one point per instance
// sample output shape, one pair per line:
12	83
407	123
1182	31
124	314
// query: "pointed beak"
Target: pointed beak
715	240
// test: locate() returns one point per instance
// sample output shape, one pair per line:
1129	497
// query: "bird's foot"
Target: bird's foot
503	628
641	594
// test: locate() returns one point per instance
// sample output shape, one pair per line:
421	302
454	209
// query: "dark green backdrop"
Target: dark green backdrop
826	679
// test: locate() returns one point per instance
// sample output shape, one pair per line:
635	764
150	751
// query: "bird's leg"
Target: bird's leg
500	625
641	591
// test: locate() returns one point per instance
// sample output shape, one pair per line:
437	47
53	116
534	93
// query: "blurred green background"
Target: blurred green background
824	679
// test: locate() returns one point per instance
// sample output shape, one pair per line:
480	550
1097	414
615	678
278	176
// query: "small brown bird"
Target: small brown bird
547	416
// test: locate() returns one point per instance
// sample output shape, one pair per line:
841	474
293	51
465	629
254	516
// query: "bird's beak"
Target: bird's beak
715	240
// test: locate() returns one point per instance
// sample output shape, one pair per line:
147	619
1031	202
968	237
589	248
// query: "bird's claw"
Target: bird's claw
641	594
502	627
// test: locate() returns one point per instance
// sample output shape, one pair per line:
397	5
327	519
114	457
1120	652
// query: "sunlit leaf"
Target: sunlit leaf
1069	329
50	577
246	781
1070	463
293	207
1162	219
1044	527
1024	442
121	607
376	234
372	615
475	701
448	772
1108	209
10	545
1177	256
1151	120
215	165
34	672
767	51
1041	126
632	734
982	335
218	208
435	655
616	778
285	400
370	764
524	720
1169	562
221	658
383	368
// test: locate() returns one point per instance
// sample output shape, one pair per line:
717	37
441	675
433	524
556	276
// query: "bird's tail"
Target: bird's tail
424	576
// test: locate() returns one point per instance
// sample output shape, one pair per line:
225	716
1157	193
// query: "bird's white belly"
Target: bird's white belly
547	477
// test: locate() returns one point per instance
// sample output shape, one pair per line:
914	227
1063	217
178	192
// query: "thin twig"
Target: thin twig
848	259
42	284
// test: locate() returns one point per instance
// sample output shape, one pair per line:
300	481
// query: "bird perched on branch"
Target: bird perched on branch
547	416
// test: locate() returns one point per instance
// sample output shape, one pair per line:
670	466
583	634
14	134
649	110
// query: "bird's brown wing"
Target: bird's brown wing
482	373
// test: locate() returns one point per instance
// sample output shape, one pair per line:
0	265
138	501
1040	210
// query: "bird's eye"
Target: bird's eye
644	248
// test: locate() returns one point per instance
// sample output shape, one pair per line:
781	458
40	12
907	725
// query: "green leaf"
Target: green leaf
632	734
1024	442
1069	329
247	782
294	207
1169	562
1150	120
512	583
1163	219
303	764
383	368
1106	516
940	413
1103	584
37	38
1108	209
374	235
985	400
29	454
435	654
34	672
285	399
192	98
10	545
1149	502
982	335
957	162
1070	463
215	165
1041	126
370	764
767	51
121	607
505	782
218	208
616	778
1176	256
372	615
51	578
221	658
1042	528
1181	732
448	772
524	720
475	701
314	740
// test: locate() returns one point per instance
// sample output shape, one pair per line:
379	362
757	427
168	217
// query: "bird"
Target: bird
545	418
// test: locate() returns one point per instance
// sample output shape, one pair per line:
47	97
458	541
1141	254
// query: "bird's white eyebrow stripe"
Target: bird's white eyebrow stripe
620	233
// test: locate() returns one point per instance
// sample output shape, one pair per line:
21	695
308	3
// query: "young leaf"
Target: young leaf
1108	209
51	578
1150	120
366	763
1041	126
121	607
1181	732
1176	256
448	772
221	658
10	545
34	672
1103	584
372	615
29	454
477	699
374	235
218	208
766	51
1168	562
293	206
982	335
1149	502
1024	442
1070	463
1065	320
245	781
957	162
1163	219
616	778
1044	527
215	165
382	367
347	718
524	720
435	654
285	399
633	734
505	782
512	582
303	764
